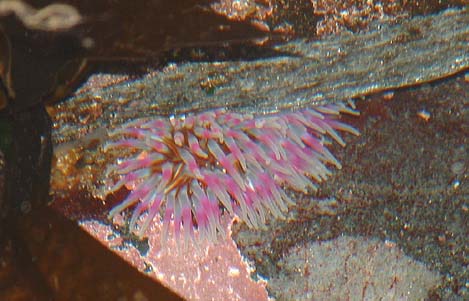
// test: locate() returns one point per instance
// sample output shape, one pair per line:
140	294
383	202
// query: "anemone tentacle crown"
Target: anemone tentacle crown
188	169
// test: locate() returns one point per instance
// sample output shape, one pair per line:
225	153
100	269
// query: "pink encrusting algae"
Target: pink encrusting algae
189	169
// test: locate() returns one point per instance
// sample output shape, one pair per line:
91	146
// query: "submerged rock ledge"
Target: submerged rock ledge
333	69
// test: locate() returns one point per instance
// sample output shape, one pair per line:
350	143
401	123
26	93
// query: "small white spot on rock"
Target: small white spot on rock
233	272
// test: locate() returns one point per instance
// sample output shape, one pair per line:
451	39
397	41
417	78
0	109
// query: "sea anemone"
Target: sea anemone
189	169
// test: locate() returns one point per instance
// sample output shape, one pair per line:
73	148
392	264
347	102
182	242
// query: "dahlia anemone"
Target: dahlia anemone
189	169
